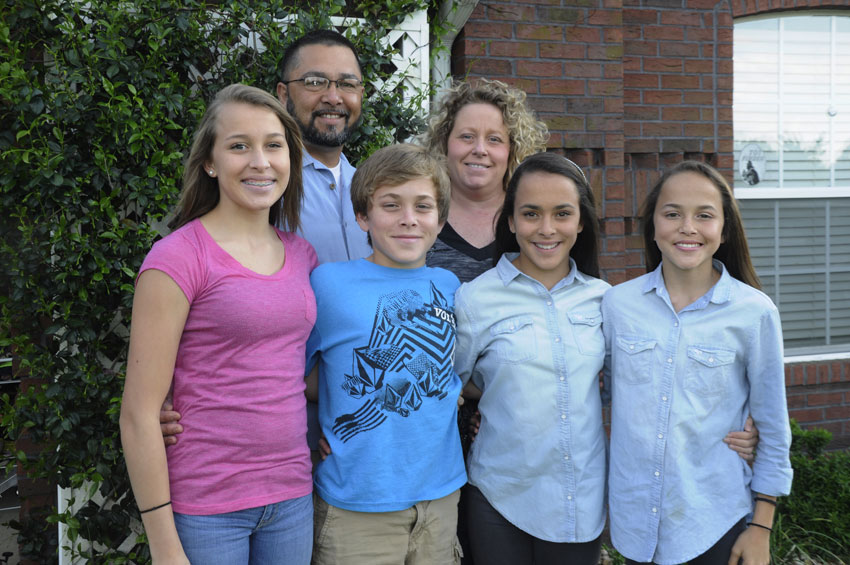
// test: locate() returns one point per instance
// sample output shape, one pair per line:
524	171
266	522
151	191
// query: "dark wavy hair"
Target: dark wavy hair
200	192
733	252
585	252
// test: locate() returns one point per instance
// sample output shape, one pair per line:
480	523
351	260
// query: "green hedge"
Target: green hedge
813	522
98	101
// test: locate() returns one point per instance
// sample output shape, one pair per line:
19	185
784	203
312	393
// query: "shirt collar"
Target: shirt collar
308	160
508	272
718	294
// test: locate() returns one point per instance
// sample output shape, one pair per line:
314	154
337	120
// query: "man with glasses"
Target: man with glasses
322	90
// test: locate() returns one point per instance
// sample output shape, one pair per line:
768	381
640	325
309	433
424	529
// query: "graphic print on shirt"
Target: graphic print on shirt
408	359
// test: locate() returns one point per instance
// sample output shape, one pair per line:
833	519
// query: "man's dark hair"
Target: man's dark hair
315	37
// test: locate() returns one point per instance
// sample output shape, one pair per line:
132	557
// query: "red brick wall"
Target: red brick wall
629	87
819	396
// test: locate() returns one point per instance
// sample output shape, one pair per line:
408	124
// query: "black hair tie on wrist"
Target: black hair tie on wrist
155	507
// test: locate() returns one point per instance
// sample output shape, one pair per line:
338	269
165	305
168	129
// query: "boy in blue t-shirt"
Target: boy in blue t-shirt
383	344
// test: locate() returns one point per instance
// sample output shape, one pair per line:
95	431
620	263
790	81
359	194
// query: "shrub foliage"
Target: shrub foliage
98	101
812	522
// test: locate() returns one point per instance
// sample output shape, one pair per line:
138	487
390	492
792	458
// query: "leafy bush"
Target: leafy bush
812	522
98	101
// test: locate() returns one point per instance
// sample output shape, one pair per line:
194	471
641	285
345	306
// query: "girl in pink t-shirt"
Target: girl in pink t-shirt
221	314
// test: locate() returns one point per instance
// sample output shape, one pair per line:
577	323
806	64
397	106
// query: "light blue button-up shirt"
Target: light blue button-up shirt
539	457
681	382
327	217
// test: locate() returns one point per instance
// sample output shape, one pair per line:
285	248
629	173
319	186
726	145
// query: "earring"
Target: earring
212	172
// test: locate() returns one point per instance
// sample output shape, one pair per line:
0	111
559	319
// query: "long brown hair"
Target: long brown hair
200	192
733	252
585	251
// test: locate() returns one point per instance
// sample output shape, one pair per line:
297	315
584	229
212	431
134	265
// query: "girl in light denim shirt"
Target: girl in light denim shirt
530	339
694	345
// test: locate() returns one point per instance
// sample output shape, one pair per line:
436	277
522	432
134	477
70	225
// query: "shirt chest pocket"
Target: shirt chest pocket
587	331
708	370
633	359
513	339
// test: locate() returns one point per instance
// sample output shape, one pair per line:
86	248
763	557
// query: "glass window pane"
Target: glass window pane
792	101
791	114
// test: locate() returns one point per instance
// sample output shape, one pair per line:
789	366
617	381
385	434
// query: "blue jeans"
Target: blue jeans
277	533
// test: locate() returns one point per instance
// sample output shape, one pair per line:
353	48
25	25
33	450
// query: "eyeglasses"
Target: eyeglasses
318	84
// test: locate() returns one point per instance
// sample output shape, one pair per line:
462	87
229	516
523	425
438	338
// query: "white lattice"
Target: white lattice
409	42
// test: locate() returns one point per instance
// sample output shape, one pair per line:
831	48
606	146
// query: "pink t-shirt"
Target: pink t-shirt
239	375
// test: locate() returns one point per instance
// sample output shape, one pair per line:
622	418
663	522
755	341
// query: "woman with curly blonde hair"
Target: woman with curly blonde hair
485	129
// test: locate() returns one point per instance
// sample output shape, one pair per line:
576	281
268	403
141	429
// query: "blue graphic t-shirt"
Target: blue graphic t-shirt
384	340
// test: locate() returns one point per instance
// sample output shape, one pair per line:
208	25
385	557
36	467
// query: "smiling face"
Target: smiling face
326	118
403	222
688	222
478	149
546	221
250	158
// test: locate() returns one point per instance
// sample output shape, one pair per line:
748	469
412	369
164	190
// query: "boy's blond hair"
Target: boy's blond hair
395	165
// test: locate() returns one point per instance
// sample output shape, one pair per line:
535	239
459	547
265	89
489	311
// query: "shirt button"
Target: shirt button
669	360
557	340
657	474
332	186
562	378
563	416
566	457
711	359
569	497
675	324
660	436
548	303
654	509
631	347
664	398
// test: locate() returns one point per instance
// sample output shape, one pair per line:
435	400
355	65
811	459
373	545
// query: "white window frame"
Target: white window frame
779	194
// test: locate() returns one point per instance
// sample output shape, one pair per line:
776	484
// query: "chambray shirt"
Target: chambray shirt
681	382
539	457
327	217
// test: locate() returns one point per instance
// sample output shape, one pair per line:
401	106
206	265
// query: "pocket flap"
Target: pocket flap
511	325
634	344
711	357
589	318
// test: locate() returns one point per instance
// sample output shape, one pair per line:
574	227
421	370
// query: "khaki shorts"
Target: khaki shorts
424	534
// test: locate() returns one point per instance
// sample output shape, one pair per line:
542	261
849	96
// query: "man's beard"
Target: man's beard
313	136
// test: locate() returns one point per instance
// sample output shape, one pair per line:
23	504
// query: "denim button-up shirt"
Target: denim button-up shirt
681	382
536	354
327	217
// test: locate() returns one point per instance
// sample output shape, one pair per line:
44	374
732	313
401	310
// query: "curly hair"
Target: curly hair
528	135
